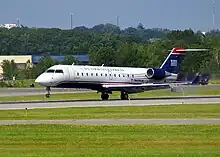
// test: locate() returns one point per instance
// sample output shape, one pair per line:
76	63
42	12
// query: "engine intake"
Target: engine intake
157	74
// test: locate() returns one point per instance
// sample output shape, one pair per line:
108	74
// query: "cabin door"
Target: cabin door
71	74
110	74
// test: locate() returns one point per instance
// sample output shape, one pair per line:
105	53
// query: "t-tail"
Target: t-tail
171	66
173	61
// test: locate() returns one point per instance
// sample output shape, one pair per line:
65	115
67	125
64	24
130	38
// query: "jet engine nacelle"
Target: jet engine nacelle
157	74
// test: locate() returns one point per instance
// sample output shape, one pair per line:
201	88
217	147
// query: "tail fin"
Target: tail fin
173	61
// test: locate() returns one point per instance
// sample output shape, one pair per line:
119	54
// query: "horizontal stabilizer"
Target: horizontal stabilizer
190	50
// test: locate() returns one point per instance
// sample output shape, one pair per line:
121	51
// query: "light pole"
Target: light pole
71	21
18	22
117	21
213	14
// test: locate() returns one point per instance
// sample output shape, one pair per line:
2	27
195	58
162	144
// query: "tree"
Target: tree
44	64
10	69
140	26
102	55
68	60
30	71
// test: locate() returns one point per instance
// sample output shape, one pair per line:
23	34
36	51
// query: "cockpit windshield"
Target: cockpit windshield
50	71
56	71
59	71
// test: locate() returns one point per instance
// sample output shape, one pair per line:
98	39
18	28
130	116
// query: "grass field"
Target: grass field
167	111
19	83
214	81
110	141
94	95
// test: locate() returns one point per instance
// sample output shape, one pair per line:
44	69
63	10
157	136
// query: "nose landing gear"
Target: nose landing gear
173	89
48	92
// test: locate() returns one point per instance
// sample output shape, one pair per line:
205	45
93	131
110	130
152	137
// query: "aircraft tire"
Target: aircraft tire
104	96
124	96
173	89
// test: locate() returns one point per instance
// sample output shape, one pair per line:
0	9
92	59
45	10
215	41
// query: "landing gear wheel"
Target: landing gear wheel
173	89
48	92
104	96
124	96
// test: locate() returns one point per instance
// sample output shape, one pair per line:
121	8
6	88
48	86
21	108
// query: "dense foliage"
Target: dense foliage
108	44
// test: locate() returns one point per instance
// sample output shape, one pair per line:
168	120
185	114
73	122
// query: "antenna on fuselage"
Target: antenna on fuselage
73	63
102	65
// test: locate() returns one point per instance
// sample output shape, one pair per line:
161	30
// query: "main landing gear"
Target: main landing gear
124	96
105	96
48	92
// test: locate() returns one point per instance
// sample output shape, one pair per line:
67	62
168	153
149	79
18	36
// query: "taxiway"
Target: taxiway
99	103
37	91
42	91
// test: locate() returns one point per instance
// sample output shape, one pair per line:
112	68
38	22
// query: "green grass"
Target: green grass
214	81
166	111
18	83
109	141
94	95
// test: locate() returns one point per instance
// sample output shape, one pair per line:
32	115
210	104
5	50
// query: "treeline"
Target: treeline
108	44
153	52
26	40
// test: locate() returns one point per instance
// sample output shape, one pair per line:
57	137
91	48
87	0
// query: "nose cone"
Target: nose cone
38	79
44	80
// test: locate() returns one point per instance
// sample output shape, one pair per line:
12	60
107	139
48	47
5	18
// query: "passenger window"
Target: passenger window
82	74
101	74
118	75
87	74
50	71
132	75
106	75
77	74
91	74
115	75
59	71
96	74
128	75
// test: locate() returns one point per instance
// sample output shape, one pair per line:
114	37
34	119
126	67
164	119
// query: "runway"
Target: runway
37	91
115	121
99	103
42	91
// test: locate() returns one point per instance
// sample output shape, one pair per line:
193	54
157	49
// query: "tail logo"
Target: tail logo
173	63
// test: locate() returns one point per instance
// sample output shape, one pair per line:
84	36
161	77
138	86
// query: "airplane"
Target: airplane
106	79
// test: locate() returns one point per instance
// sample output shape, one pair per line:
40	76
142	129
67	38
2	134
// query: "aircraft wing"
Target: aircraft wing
145	85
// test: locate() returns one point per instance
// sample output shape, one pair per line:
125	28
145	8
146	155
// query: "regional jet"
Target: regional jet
105	79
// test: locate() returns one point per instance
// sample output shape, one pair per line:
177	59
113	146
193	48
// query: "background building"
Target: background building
84	59
21	60
8	26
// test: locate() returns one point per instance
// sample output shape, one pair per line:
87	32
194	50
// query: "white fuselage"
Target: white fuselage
76	74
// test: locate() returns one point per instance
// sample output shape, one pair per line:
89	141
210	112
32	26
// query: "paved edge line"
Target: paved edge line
86	100
178	121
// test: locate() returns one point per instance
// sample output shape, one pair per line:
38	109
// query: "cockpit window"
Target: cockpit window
50	71
59	71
